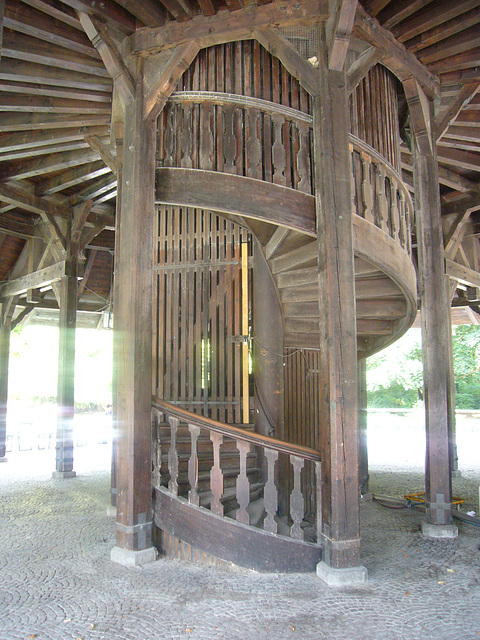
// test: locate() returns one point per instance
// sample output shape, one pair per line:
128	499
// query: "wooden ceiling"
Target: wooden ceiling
56	97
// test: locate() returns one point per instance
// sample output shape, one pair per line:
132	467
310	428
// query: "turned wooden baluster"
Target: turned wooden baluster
186	137
352	179
303	158
170	136
216	474
367	188
278	151
403	220
253	146
394	212
243	485
297	504
173	457
270	493
382	200
230	141
206	137
193	496
408	227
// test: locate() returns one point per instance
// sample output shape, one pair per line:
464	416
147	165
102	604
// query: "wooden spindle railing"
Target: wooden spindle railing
277	141
184	425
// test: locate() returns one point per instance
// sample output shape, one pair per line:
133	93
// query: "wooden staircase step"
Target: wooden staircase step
376	288
381	309
302	256
275	241
374	327
229	497
297	277
307	293
301	309
229	479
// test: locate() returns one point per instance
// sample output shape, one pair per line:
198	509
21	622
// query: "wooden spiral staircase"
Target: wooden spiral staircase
209	476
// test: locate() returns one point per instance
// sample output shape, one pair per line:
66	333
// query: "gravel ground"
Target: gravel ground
57	582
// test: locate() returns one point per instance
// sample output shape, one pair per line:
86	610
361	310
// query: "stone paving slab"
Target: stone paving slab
57	582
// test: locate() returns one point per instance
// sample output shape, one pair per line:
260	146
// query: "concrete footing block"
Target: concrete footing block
439	530
3	459
111	511
129	558
349	577
60	475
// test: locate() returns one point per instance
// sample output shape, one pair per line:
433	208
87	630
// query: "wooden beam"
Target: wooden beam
419	114
28	50
110	54
30	21
30	202
109	11
359	69
237	195
29	141
14	226
51	164
167	78
463	275
15	122
435	14
36	280
280	47
339	30
86	272
228	26
457	44
461	206
73	176
397	58
103	151
150	12
457	158
466	93
80	215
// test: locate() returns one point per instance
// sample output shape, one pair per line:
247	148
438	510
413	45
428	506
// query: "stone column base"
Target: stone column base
129	558
111	511
349	577
59	475
3	459
439	530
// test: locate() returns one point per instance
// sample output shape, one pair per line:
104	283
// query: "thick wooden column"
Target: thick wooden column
267	350
363	475
66	365
4	360
133	336
435	313
338	347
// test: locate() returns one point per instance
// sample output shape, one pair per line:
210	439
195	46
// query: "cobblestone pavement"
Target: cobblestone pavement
57	582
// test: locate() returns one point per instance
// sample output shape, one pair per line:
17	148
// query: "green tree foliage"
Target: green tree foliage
394	376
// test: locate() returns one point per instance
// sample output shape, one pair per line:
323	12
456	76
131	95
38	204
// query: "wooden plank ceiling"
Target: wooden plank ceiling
56	104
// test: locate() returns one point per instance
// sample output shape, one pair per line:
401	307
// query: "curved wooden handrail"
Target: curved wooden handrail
235	432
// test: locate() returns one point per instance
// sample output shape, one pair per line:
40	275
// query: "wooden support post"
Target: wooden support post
4	360
363	475
133	336
452	427
338	347
66	364
435	313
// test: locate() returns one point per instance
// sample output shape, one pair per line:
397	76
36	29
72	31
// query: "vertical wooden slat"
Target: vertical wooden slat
245	353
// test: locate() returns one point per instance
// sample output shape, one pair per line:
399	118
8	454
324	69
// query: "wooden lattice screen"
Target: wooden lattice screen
198	357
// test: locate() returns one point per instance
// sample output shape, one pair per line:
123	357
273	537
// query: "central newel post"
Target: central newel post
133	334
338	348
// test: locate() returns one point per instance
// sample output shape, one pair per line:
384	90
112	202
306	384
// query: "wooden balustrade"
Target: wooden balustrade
217	438
258	139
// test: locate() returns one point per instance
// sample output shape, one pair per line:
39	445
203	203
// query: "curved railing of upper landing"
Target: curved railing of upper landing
249	157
